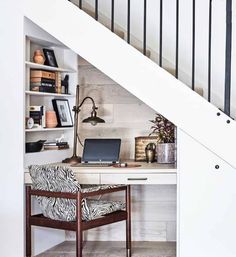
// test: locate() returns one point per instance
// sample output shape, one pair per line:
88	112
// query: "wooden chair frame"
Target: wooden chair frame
79	225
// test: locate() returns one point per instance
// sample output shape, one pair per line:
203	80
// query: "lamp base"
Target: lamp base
72	160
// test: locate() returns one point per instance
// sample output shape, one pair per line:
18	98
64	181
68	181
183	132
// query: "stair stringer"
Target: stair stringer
136	73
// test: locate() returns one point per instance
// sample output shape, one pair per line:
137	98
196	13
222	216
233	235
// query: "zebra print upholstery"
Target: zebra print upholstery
62	179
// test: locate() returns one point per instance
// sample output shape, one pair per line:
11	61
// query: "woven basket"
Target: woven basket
140	144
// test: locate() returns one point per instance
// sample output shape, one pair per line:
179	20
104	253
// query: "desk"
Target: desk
148	173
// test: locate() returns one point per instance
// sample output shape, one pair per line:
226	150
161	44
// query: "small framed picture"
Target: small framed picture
62	109
50	58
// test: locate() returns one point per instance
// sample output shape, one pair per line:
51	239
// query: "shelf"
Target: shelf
33	65
51	151
47	94
47	129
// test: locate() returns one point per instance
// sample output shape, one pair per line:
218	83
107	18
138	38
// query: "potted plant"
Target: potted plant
166	139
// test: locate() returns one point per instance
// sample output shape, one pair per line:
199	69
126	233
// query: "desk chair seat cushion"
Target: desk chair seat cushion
62	179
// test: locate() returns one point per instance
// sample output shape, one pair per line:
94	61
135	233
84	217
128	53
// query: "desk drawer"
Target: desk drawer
88	178
138	179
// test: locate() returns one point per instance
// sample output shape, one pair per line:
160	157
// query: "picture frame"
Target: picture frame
63	112
50	58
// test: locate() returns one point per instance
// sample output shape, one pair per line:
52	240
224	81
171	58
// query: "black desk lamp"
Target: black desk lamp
93	119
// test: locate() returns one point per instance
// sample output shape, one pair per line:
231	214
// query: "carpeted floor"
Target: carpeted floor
113	249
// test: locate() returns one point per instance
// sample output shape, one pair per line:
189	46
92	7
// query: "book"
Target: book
55	143
42	74
56	147
43	87
58	82
42	80
38	114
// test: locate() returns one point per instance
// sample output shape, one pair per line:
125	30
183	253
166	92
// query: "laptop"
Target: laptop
101	152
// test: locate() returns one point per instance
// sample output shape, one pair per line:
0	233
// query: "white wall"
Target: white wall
11	130
185	39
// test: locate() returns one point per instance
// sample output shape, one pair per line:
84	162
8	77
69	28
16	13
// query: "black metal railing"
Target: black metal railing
228	39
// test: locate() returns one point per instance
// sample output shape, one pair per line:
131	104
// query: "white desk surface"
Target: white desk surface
152	172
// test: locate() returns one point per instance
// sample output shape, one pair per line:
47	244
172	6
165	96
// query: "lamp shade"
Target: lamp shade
93	119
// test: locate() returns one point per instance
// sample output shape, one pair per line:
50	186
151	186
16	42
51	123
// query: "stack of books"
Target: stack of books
38	114
55	145
43	81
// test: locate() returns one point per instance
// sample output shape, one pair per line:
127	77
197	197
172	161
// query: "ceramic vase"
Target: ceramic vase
166	153
51	119
38	57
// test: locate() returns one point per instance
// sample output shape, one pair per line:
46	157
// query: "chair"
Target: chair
65	205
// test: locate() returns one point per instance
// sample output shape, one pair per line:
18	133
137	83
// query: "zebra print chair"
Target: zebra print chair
65	204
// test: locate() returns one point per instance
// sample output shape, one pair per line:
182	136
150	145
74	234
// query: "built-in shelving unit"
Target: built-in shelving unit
33	93
67	64
33	65
48	129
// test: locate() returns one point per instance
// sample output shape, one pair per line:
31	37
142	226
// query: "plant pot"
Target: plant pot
166	153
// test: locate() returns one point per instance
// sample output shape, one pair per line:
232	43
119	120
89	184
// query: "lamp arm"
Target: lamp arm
88	97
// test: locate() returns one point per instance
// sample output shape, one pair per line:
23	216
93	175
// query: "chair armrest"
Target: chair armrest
53	194
86	192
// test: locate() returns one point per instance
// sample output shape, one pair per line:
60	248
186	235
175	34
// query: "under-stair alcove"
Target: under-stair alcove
127	117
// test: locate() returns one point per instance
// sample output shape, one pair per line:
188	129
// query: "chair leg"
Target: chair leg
128	222
79	231
79	243
28	226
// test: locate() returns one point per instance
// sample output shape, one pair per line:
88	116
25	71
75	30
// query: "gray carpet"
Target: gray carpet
113	249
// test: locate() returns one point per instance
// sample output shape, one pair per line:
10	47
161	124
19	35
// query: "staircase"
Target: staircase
139	75
206	135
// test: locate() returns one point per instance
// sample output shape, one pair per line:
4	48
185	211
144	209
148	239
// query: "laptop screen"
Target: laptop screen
101	150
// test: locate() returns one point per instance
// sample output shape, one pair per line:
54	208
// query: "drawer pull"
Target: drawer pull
137	179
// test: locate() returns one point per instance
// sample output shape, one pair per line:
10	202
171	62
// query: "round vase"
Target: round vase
38	57
166	153
51	119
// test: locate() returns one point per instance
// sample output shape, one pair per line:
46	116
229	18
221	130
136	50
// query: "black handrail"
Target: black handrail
112	14
144	26
177	41
209	50
96	10
228	53
128	21
161	28
193	44
228	49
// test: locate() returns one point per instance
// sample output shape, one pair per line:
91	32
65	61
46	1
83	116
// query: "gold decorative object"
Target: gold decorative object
140	145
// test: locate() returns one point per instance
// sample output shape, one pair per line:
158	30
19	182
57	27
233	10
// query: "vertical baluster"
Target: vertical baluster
193	45
112	15
228	53
80	4
128	22
161	20
144	26
209	50
96	10
177	41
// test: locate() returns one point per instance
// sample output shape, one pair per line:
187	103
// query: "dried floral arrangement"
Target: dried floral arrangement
163	128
